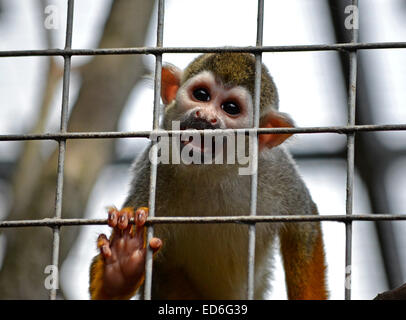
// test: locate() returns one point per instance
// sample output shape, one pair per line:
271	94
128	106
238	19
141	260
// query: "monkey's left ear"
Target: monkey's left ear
274	119
170	82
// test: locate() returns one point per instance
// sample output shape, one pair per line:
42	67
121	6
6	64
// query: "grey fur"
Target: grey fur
213	190
213	258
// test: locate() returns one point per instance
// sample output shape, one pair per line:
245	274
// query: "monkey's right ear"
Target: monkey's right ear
170	82
274	119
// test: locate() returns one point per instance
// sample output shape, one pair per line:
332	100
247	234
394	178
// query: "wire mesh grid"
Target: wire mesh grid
250	219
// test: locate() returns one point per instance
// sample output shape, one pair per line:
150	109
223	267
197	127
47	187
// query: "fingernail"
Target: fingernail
141	219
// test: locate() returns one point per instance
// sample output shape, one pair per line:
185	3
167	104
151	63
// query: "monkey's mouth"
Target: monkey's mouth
200	146
200	143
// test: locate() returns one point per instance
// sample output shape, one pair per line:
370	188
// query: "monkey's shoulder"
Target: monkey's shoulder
279	179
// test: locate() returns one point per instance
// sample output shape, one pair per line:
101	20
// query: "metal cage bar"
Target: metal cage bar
254	176
62	146
352	93
250	49
154	166
149	134
247	219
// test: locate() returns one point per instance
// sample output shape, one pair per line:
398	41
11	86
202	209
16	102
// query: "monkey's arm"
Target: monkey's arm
304	262
118	271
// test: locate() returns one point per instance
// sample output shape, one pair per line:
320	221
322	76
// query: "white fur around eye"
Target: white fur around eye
184	96
219	93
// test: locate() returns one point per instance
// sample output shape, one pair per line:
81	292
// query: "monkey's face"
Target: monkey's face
213	93
203	102
203	98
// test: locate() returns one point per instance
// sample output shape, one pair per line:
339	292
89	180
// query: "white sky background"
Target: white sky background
310	87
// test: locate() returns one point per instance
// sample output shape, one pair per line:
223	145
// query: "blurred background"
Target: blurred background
109	93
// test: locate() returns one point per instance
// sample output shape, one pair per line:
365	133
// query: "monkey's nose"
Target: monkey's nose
199	115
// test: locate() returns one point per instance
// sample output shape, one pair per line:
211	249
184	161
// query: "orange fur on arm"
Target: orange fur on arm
304	264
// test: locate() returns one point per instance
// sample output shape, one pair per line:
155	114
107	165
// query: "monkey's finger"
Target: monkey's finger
140	218
155	244
123	218
104	246
129	212
112	217
123	223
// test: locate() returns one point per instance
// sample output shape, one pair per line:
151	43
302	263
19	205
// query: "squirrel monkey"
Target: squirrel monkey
209	261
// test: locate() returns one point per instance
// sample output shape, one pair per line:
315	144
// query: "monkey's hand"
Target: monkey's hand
118	271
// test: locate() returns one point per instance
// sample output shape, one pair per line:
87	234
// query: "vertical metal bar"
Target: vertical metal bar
254	177
62	146
352	92
154	169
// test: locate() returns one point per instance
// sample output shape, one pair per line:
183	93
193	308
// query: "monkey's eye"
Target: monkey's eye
201	94
231	108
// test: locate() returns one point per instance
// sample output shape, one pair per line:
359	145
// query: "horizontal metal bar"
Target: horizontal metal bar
51	222
250	49
150	133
